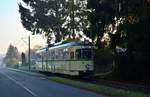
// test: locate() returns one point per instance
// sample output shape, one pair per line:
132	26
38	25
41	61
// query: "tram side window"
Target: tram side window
48	55
61	54
52	54
87	53
44	55
78	54
72	55
56	54
84	54
65	55
39	56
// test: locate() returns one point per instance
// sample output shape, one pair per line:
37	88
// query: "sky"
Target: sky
11	29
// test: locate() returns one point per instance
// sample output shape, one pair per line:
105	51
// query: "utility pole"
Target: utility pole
29	53
29	61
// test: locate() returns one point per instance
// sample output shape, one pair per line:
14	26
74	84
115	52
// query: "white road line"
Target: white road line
21	85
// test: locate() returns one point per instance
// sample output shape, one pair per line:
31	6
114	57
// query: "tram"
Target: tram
71	58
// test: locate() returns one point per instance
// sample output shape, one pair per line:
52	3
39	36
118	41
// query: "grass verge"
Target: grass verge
99	88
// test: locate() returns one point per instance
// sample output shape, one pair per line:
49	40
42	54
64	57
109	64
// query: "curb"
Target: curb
27	72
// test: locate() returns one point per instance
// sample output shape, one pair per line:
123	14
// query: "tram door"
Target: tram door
72	57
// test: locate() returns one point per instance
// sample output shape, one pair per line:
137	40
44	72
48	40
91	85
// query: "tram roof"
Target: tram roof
65	44
74	43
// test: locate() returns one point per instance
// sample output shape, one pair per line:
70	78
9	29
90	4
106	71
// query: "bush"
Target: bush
103	60
132	66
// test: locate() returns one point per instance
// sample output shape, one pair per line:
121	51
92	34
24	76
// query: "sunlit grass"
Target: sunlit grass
99	88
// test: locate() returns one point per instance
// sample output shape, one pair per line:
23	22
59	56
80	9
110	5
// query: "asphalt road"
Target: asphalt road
17	84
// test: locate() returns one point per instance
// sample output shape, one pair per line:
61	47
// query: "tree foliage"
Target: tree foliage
101	13
12	56
127	22
42	16
58	17
23	58
136	27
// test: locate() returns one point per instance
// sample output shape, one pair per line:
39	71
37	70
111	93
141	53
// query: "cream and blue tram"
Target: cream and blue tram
72	58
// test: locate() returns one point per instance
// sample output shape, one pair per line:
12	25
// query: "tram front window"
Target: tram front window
84	54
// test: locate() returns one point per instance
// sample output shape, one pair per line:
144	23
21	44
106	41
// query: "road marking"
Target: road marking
21	85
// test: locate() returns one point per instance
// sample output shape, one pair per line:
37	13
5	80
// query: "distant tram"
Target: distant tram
71	58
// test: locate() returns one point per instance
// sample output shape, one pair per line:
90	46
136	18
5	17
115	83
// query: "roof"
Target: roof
74	43
65	44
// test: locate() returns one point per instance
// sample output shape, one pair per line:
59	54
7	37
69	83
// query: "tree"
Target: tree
101	14
43	16
12	56
77	16
136	28
23	58
127	22
58	17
